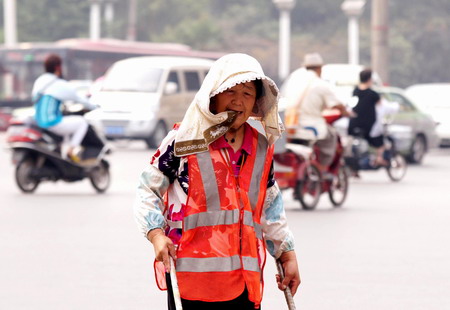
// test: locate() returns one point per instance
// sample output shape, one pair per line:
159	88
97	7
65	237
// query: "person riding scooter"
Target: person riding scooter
315	97
50	90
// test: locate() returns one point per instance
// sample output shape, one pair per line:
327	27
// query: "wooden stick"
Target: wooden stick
175	289
287	292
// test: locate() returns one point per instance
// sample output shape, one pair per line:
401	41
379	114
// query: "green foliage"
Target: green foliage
50	20
419	41
418	35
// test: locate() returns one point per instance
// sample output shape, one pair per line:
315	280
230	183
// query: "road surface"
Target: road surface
66	247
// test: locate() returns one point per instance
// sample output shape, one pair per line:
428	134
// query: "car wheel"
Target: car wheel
157	135
418	150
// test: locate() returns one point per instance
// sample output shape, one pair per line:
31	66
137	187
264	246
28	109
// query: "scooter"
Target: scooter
298	168
361	157
36	153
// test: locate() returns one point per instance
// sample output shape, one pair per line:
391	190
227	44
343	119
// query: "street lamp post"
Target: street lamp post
353	9
285	7
10	22
96	17
131	31
95	20
108	15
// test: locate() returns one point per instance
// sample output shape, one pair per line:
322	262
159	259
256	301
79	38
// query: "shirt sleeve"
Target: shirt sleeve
278	237
328	96
376	97
153	184
64	91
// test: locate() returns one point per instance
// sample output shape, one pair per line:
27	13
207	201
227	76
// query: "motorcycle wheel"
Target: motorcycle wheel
397	167
100	177
308	190
339	187
24	181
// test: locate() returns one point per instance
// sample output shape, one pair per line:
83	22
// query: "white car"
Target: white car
434	99
143	97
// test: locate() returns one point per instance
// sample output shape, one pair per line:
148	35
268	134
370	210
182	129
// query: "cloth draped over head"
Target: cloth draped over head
200	127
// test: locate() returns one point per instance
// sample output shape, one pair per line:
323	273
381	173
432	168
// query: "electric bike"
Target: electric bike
37	155
298	168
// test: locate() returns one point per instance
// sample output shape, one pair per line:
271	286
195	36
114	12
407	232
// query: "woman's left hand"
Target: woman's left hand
291	273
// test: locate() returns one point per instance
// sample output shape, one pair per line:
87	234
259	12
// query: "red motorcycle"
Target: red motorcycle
298	168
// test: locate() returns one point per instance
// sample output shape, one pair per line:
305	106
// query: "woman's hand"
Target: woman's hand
291	273
163	247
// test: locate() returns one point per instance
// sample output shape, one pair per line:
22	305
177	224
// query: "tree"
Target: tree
50	20
419	30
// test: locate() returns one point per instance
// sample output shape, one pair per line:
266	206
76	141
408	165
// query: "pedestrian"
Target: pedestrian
49	92
366	115
208	198
305	115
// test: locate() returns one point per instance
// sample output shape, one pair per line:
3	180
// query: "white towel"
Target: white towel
200	126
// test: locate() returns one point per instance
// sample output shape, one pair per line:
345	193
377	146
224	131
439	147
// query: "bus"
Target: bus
83	60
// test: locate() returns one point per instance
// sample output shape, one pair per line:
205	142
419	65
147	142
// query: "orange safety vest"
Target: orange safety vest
222	250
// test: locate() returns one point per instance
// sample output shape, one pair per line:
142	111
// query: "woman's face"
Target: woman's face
240	98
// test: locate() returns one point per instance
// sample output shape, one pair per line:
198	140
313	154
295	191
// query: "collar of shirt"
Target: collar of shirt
221	143
236	157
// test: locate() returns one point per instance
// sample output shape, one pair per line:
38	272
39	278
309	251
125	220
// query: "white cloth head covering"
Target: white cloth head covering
200	126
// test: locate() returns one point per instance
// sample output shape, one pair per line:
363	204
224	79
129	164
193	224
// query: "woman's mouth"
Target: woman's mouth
237	112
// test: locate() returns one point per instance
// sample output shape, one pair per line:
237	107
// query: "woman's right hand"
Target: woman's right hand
163	247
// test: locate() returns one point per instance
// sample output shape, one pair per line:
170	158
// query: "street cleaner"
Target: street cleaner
209	200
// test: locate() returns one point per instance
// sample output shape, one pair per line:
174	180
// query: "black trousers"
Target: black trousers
239	303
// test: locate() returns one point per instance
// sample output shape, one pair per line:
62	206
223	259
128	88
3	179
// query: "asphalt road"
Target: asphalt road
66	247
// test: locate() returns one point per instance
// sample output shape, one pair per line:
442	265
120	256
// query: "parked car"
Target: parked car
143	97
434	99
413	131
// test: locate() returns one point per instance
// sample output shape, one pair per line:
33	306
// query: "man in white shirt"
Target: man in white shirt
316	95
52	90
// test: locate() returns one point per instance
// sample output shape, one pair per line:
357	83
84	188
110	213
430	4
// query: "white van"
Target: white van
143	97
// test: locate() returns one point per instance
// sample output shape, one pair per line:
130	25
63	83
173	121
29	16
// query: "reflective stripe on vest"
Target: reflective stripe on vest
224	217
209	180
248	220
257	173
216	264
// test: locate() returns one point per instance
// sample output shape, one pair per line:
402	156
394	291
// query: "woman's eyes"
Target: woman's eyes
246	94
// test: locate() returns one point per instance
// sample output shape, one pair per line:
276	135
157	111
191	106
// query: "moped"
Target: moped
298	168
362	157
37	155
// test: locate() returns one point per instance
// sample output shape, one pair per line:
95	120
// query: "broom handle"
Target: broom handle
175	289
287	292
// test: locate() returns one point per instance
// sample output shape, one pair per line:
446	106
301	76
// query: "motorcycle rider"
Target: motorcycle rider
49	91
315	96
369	101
